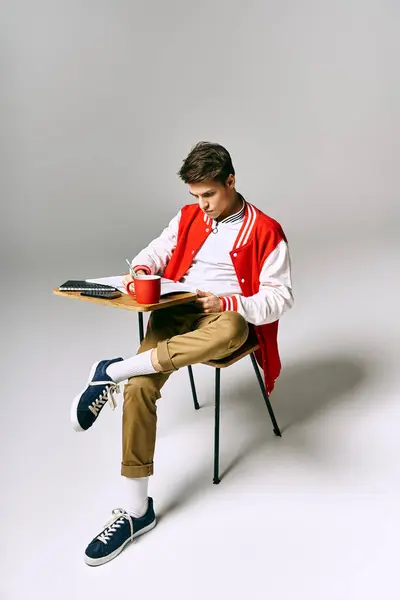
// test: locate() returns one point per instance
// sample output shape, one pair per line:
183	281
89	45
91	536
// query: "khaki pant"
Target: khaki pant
183	336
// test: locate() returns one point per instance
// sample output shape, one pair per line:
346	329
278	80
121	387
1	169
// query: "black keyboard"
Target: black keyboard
110	294
78	285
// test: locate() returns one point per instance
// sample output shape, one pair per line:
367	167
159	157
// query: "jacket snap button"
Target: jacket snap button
192	251
235	254
207	230
242	280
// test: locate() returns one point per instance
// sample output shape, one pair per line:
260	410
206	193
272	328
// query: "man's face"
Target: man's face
214	198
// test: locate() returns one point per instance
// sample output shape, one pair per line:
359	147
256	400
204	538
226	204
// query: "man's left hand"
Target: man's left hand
209	302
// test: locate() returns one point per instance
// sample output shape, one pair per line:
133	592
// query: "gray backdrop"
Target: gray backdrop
100	102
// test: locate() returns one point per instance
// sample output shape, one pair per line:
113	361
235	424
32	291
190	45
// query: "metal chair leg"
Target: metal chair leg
265	395
216	478
192	385
141	329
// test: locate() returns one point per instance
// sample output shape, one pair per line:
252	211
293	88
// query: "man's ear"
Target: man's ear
230	181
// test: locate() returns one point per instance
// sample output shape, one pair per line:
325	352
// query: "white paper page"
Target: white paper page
115	281
167	285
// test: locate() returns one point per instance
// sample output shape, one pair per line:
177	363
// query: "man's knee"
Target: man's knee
235	329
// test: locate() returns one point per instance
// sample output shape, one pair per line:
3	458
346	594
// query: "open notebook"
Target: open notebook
167	285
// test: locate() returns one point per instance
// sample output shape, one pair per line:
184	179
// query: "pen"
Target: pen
132	272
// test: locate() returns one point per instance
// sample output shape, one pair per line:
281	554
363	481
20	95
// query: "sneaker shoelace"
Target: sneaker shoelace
119	517
106	395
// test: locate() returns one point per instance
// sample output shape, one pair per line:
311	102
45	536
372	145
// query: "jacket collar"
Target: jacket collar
245	232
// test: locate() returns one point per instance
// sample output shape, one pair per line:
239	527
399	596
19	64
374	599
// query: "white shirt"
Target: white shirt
212	270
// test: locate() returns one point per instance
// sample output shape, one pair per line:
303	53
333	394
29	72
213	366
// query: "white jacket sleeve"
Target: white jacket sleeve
275	294
154	258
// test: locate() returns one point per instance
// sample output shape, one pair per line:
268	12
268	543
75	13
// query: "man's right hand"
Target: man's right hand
128	277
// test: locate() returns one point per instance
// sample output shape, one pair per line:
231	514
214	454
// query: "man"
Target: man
238	259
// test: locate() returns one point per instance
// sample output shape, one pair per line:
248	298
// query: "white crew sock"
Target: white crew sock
140	364
135	492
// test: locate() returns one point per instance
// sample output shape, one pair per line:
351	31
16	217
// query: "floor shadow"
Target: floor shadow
186	490
304	388
301	391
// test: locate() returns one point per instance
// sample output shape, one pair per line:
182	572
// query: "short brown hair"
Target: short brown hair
207	161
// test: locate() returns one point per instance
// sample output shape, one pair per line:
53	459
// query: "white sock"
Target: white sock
140	364
135	501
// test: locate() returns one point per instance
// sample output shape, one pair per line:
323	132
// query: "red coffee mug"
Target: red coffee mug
145	289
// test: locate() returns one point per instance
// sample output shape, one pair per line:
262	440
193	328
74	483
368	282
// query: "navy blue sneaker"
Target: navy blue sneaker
100	387
119	531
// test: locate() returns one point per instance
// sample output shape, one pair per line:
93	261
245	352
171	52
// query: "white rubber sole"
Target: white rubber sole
73	415
95	562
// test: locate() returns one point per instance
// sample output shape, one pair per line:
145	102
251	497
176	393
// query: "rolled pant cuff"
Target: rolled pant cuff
163	357
137	471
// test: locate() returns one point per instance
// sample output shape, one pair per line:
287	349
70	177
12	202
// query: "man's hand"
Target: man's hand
208	302
128	277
